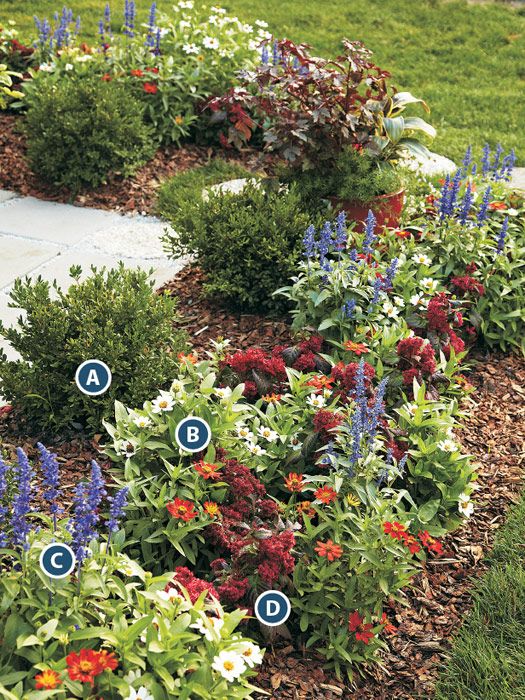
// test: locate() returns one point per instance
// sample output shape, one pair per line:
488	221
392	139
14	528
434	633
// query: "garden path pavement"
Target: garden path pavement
46	238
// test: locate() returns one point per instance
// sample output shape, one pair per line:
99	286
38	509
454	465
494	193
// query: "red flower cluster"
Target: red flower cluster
182	510
246	535
468	285
324	422
253	364
416	359
88	663
195	586
345	376
440	316
362	630
399	448
399	532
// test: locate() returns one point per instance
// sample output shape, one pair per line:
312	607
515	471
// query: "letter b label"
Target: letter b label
193	434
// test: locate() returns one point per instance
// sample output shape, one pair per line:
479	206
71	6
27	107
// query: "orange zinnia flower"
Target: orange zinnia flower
356	348
182	510
107	659
136	73
207	470
271	398
84	666
192	359
151	88
212	509
305	507
403	234
47	680
326	494
389	628
497	206
294	482
396	530
329	550
321	382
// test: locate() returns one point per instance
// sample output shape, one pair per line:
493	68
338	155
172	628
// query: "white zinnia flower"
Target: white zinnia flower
422	259
132	676
268	434
68	66
186	4
141	694
46	67
163	402
428	284
244	432
142	422
390	310
261	23
465	505
127	449
399	302
183	24
316	401
255	449
213	634
251	654
229	664
85	57
190	48
224	393
210	42
411	408
447	445
415	299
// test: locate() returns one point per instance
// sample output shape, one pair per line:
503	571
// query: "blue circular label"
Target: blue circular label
193	434
57	560
93	377
272	608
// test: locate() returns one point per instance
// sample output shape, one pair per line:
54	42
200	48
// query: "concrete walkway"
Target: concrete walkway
46	238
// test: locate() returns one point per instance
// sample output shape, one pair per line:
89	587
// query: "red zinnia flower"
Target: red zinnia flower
389	628
182	510
207	470
84	666
136	73
430	543
47	679
362	630
396	530
412	544
320	382
305	507
294	482
192	359
107	659
151	88
326	494
403	234
329	550
497	206
357	348
107	78
271	398
212	508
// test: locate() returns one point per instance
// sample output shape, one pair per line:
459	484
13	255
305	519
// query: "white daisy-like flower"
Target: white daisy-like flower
132	676
68	66
212	634
255	449
186	4
190	48
251	654
428	284
243	431
411	408
253	44
268	434
46	67
223	393
246	28
218	10
316	401
415	299
512	212
210	42
422	259
141	694
447	445
261	23
212	19
184	24
229	664
327	393
465	505
399	302
390	310
127	449
163	402
142	422
163	31
177	387
84	58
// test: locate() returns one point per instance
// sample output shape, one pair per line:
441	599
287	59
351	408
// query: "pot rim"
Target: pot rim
361	203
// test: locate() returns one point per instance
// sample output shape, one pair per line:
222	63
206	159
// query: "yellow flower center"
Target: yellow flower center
228	665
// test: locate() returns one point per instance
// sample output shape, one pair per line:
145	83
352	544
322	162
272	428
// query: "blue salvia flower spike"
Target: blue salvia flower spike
4	470
485	160
502	236
50	481
22	500
117	505
483	210
370	236
466	205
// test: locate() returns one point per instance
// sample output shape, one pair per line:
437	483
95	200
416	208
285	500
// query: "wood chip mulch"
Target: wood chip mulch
493	432
133	194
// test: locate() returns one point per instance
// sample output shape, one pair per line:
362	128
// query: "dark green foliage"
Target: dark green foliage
80	131
248	244
113	316
192	182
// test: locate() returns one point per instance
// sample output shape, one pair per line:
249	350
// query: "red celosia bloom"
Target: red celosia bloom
195	586
212	508
399	449
107	659
150	88
325	422
357	348
396	530
455	342
47	679
362	630
418	354
182	510
207	470
437	314
306	362
233	589
294	482
389	628
325	494
467	284
345	375
136	73
329	550
497	206
84	666
471	268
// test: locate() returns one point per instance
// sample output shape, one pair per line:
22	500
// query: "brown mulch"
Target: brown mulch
133	194
493	432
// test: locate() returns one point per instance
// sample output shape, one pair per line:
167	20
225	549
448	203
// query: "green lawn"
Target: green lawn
465	60
488	657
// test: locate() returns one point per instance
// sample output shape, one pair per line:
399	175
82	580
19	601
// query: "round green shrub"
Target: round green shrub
113	316
80	131
248	244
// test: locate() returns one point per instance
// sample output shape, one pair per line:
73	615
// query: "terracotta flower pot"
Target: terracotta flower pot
387	209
